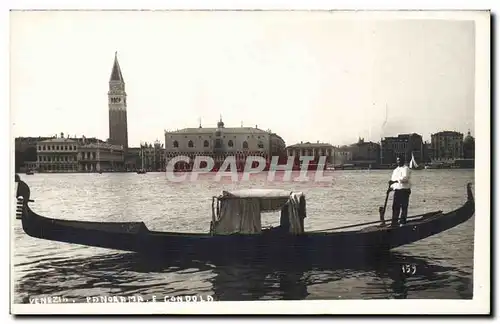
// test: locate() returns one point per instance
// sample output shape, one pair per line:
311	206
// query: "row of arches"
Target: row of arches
230	143
50	158
310	152
57	148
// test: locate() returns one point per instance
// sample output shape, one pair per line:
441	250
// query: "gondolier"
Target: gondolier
400	184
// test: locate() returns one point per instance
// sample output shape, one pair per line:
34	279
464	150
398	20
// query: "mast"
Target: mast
142	158
422	151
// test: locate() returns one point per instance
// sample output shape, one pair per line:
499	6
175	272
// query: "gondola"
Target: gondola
235	230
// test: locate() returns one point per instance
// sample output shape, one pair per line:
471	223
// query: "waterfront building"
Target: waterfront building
311	149
428	155
447	146
153	156
401	145
342	155
277	147
60	154
469	146
220	142
100	156
26	152
365	153
133	159
57	155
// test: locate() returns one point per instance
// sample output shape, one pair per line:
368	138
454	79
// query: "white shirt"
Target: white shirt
402	176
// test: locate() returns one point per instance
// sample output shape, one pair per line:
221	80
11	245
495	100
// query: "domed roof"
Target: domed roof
468	138
220	124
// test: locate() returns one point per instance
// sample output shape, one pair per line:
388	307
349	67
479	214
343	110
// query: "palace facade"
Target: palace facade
62	154
447	146
221	141
402	145
312	149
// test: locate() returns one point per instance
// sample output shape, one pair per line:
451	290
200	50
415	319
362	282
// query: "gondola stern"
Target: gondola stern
470	196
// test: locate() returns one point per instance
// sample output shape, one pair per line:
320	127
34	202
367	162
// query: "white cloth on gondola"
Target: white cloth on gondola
240	211
239	216
293	213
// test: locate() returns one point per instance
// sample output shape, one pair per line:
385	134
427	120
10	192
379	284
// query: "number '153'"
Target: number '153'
409	269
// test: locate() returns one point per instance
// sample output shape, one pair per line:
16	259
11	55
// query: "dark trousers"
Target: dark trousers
400	205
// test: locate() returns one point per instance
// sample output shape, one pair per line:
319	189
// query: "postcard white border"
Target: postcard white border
480	302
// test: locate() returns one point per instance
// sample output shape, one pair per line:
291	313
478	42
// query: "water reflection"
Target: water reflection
423	278
129	274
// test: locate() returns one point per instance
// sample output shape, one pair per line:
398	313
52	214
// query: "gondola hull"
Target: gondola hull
274	243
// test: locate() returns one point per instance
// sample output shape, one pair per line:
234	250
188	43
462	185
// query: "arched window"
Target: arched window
206	144
260	145
176	144
230	143
245	144
190	144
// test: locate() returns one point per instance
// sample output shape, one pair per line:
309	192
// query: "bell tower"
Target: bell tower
117	103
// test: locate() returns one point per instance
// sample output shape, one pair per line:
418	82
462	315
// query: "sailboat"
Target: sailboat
413	163
142	170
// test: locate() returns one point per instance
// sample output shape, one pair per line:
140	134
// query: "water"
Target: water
443	263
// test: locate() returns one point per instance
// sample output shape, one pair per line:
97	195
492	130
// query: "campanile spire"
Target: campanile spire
116	72
117	103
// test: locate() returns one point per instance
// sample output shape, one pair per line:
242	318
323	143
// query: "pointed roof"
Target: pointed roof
116	73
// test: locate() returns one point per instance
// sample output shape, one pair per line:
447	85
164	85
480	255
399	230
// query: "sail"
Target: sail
413	163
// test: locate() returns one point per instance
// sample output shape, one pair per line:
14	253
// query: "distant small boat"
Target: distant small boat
413	164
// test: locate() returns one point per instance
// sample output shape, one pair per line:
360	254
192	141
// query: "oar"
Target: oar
370	223
382	209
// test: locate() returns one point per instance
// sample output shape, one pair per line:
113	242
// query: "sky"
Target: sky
308	76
